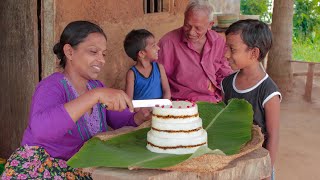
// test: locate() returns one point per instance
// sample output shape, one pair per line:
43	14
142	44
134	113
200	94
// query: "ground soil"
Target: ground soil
298	154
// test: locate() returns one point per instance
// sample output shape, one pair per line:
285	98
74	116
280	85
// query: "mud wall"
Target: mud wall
26	58
117	18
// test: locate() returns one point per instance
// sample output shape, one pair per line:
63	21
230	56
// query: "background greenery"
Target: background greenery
306	25
257	7
306	30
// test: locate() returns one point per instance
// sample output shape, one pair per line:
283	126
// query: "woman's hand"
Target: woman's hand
142	115
114	99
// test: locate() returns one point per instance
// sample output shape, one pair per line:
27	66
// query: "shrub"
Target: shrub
256	7
306	20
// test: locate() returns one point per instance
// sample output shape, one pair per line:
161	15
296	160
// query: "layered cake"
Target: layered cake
176	129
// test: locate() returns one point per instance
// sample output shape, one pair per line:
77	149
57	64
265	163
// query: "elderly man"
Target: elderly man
193	56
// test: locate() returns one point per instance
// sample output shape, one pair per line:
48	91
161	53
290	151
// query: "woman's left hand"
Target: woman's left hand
142	115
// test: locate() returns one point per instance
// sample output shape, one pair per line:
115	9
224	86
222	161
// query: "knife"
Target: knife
151	103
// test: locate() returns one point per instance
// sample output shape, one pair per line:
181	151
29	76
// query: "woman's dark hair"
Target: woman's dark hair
73	34
254	33
135	41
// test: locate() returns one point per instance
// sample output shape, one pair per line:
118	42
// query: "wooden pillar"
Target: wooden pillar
145	6
19	69
151	6
48	39
159	7
309	83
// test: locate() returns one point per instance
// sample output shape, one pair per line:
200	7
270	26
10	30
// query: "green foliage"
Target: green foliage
228	128
306	25
1	168
306	51
306	30
2	163
306	20
256	7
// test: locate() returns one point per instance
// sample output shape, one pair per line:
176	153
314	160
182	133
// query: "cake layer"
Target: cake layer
175	119
189	150
176	134
175	142
176	145
176	125
178	108
176	129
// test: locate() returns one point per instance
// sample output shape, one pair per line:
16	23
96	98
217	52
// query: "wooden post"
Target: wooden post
152	6
145	5
159	6
309	83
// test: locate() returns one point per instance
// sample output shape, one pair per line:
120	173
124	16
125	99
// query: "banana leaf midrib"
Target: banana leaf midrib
143	161
214	119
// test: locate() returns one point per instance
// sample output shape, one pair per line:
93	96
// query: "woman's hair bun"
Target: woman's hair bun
58	50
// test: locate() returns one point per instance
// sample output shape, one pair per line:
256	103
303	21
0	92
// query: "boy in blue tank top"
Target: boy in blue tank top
146	79
248	42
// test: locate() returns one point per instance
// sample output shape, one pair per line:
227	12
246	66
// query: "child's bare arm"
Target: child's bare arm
130	83
272	110
222	95
165	83
222	92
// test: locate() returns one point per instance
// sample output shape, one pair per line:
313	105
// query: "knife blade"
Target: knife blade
151	103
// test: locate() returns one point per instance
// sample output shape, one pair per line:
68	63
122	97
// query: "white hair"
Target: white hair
202	5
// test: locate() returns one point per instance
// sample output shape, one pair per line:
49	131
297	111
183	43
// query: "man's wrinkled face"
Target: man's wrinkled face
196	25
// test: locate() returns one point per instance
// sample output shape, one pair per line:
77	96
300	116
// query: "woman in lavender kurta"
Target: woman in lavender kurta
69	108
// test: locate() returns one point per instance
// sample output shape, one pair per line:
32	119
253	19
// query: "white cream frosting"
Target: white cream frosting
182	125
197	141
179	108
176	129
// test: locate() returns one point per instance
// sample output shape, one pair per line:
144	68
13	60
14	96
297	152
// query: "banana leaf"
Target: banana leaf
228	127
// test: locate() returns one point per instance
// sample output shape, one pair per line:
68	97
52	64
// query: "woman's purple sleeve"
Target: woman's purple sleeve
117	119
49	120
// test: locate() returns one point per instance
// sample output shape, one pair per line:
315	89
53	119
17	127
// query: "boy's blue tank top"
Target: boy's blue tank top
147	88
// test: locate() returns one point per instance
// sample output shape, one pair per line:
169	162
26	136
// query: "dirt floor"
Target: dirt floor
298	155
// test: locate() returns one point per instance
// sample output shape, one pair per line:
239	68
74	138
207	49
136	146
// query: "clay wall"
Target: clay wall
117	18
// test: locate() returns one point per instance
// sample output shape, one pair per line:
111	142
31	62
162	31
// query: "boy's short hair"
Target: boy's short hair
135	41
254	33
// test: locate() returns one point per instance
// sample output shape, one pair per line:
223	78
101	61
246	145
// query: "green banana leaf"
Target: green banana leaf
228	128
